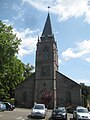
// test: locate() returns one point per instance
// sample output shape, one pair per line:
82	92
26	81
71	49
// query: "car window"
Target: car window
38	107
58	110
62	109
82	110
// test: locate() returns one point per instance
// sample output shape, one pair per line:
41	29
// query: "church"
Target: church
47	85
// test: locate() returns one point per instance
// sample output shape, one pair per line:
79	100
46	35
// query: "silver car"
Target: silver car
81	113
38	110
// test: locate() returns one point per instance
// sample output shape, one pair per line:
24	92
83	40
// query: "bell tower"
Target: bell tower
46	66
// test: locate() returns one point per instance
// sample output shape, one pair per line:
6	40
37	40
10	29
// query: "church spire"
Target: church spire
47	28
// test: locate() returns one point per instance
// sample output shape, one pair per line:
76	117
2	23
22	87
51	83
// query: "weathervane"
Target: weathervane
48	8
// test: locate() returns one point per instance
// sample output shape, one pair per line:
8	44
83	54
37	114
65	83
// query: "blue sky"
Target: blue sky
70	21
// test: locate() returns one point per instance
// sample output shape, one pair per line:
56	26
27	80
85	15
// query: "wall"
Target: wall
68	91
24	93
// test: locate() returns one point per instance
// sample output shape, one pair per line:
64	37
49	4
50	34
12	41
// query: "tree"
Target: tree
8	47
85	93
28	69
14	75
11	69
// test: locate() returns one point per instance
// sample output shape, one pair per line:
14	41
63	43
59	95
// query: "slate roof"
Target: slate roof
47	28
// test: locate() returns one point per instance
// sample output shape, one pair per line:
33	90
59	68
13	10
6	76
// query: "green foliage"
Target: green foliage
84	90
85	94
8	47
28	69
11	69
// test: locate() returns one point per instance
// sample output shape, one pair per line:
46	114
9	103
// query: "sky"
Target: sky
70	21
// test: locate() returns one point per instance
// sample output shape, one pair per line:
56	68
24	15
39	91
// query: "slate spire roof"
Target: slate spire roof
47	28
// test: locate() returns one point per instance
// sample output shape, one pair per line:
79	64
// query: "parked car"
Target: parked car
59	113
81	113
38	110
2	106
9	106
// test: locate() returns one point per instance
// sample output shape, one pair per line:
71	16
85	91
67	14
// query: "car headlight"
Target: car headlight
64	113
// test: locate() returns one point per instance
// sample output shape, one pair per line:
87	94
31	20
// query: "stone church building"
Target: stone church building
47	85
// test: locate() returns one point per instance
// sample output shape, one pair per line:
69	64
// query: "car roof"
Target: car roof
80	107
39	104
60	107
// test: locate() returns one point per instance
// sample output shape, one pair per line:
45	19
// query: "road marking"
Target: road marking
19	118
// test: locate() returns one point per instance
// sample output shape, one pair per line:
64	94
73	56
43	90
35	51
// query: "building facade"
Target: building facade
47	85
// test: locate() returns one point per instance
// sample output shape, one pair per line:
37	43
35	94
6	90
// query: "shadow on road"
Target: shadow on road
30	118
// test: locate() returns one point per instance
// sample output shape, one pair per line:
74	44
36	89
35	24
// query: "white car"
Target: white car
38	110
81	113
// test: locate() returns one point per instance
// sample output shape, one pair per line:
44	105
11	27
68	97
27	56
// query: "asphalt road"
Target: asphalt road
23	114
16	114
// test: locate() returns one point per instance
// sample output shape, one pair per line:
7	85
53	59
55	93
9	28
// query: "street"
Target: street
23	114
17	114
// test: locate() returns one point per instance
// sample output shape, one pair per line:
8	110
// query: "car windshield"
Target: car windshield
82	110
60	110
38	107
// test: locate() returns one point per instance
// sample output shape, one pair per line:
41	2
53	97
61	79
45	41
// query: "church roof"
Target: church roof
47	28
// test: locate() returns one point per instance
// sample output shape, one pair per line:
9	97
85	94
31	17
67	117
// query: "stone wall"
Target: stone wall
24	93
68	91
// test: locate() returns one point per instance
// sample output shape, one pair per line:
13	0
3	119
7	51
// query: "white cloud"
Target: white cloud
28	37
82	50
87	13
8	23
87	59
38	4
64	8
86	81
20	11
59	61
29	40
69	8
